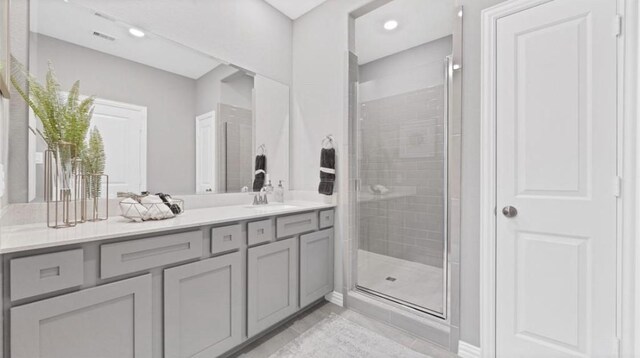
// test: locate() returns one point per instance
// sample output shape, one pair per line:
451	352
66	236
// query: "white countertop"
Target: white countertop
36	236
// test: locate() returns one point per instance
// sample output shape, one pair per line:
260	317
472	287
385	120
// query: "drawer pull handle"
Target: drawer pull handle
303	222
136	255
260	231
227	238
50	272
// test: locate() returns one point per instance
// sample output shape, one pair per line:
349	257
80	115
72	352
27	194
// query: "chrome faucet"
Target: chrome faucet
261	197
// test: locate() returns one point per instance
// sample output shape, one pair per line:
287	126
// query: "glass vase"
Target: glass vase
60	185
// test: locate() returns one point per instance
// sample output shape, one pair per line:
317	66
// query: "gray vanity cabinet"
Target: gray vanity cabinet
112	320
316	266
202	307
272	288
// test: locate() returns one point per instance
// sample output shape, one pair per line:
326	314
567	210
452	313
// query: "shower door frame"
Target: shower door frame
452	113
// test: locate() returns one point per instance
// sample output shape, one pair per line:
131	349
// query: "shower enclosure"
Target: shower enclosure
403	132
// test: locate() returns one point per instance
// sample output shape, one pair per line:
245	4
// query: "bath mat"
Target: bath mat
337	337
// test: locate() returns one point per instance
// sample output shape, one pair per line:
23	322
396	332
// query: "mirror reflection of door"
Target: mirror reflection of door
205	152
123	128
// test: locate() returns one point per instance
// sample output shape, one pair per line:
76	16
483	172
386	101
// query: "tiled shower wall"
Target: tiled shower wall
235	138
402	148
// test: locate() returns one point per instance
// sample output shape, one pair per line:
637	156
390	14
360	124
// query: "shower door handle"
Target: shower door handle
509	211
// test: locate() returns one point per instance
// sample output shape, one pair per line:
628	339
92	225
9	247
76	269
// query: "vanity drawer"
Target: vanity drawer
35	275
260	231
296	224
326	219
226	238
136	255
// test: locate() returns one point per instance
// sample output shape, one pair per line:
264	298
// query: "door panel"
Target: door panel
316	266
124	130
202	307
556	164
271	284
112	320
206	153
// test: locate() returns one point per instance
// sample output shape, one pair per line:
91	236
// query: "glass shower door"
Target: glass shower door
401	133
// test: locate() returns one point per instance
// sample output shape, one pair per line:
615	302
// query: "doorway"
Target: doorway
551	179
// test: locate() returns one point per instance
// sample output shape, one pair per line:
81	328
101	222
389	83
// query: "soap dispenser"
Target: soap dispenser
279	193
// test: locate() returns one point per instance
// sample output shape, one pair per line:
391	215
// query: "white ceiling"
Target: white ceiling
419	22
295	8
76	24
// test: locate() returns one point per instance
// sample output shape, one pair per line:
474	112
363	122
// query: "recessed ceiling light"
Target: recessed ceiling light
136	32
390	25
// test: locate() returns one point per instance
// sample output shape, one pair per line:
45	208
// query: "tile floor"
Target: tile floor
414	282
269	344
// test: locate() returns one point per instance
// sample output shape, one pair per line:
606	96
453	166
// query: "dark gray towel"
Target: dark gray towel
261	172
327	171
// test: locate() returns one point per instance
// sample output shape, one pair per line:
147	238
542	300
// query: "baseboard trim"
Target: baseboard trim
335	298
466	350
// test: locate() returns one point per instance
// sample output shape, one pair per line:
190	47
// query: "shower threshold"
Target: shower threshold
414	285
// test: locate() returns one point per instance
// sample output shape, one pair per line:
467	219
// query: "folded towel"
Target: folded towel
327	171
378	189
133	209
261	172
156	209
166	199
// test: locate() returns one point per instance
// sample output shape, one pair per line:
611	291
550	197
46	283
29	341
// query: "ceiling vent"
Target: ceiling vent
103	36
104	16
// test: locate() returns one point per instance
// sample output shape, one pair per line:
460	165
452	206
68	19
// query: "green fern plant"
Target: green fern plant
93	162
62	120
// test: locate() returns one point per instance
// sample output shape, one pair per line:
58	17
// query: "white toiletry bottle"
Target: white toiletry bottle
279	193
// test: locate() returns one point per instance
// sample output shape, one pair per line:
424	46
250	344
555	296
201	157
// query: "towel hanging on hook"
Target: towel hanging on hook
327	166
260	168
328	142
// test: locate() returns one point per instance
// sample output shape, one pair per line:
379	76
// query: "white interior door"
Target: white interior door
206	152
123	128
556	164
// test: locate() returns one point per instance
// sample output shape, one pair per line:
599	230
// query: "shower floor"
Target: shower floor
416	283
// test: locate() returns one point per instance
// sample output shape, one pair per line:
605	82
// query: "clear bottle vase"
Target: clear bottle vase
60	185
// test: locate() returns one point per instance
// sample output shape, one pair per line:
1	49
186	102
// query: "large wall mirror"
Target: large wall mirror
173	119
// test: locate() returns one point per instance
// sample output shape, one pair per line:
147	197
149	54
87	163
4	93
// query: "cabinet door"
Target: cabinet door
316	266
202	307
272	284
112	320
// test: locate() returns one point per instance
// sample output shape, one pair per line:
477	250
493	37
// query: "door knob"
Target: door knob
509	211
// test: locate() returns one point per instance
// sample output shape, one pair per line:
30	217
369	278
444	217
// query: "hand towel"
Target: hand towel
327	171
261	172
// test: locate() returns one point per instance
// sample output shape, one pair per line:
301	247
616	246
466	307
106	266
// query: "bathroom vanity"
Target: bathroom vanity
202	284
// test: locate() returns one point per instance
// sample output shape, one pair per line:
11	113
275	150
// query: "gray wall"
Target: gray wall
430	52
17	173
470	247
249	33
237	90
170	100
208	89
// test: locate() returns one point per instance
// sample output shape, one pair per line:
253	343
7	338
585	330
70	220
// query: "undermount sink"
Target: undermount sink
271	206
